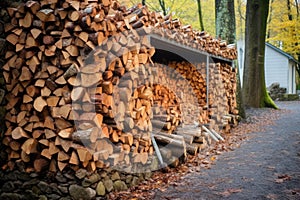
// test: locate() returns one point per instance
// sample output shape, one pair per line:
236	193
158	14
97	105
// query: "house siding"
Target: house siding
276	68
292	78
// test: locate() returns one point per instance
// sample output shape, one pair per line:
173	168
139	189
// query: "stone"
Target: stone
69	176
123	177
115	176
36	190
60	178
24	177
8	187
43	197
91	193
80	193
148	175
90	180
2	81
135	181
29	184
120	185
273	86
109	185
103	174
141	177
128	179
53	196
100	189
28	194
10	196
108	170
154	164
55	189
44	187
65	198
63	189
13	176
34	175
20	166
18	184
3	47
81	173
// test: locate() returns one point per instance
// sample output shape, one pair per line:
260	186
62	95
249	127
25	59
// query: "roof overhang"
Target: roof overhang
184	51
290	57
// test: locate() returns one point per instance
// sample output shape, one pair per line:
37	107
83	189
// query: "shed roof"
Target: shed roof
290	57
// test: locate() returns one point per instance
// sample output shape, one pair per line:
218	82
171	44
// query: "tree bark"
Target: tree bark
297	7
239	96
270	19
163	6
254	86
225	20
288	4
200	15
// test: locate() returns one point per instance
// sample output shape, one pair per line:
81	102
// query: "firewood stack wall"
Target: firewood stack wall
83	92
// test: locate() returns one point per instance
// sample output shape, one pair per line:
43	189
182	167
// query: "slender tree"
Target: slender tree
297	7
270	19
254	86
163	6
200	15
143	2
288	4
226	29
225	20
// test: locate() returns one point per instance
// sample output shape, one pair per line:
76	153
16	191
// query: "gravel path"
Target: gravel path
266	166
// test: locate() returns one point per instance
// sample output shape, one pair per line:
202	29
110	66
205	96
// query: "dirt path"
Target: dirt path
267	166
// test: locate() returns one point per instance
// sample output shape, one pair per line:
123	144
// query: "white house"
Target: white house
280	66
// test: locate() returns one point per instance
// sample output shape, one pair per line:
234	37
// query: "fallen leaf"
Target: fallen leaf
282	178
271	196
225	193
235	190
213	158
205	162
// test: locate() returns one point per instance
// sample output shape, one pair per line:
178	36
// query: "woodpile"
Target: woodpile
83	91
222	97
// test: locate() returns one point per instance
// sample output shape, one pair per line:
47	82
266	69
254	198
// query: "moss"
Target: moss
267	101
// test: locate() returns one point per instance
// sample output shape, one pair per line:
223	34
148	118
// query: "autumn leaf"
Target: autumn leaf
228	192
282	178
235	190
213	158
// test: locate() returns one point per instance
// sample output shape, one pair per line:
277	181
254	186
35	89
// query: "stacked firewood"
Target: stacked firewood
222	96
72	103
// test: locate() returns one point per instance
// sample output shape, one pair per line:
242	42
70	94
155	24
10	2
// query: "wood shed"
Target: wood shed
90	82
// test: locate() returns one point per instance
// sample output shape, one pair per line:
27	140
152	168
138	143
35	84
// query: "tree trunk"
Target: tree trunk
225	29
297	7
225	20
239	98
254	86
270	19
290	17
200	15
288	4
163	6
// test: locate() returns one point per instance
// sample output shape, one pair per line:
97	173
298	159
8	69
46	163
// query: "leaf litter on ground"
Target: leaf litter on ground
256	121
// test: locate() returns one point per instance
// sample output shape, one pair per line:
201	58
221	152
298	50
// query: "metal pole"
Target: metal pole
207	81
157	151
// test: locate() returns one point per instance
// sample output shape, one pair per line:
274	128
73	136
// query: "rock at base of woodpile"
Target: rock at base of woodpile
80	186
276	92
81	193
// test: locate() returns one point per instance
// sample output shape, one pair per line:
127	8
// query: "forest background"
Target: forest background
283	25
